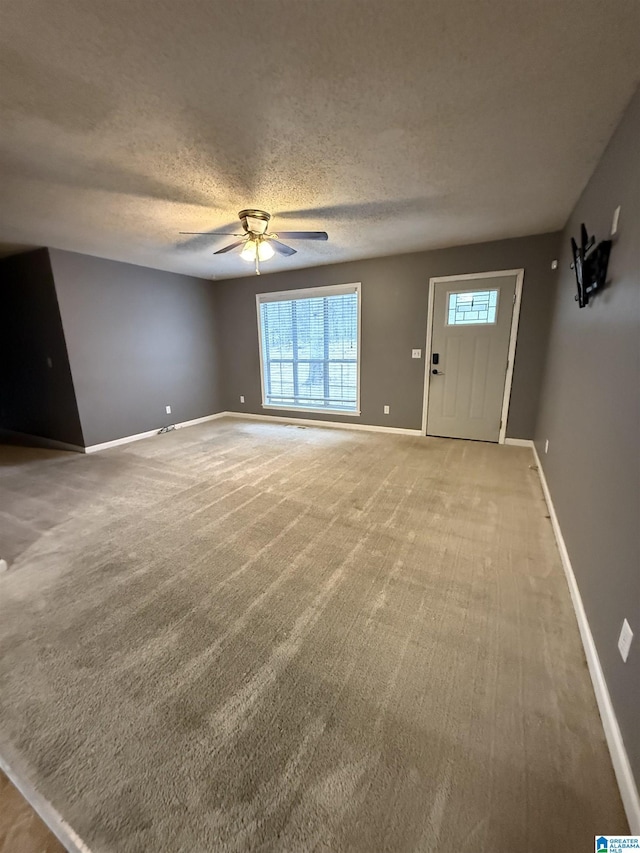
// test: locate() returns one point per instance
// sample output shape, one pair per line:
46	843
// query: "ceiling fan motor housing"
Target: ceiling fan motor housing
254	221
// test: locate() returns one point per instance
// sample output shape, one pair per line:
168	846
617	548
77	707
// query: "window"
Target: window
310	347
472	308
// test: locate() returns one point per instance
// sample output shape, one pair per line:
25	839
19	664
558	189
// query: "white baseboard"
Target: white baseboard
319	423
619	757
519	442
127	439
203	420
70	840
41	441
105	445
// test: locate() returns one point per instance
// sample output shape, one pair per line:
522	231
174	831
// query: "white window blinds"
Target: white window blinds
309	348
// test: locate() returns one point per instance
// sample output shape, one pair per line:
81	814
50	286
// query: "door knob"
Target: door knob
437	373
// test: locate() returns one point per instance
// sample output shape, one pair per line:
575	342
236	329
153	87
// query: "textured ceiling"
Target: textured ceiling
393	125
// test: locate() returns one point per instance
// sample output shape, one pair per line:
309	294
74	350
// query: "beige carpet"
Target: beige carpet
257	637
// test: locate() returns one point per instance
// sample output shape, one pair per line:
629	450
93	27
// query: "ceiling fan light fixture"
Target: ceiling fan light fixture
259	247
248	252
256	243
265	251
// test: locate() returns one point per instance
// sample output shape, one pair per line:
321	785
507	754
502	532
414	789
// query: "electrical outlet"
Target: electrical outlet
49	361
546	446
241	398
416	353
386	410
614	224
168	409
624	640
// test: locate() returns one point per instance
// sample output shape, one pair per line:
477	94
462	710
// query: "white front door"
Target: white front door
470	335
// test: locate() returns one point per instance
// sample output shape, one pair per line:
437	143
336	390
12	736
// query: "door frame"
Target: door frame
513	337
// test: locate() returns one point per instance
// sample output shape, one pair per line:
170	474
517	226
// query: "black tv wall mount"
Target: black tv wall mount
590	263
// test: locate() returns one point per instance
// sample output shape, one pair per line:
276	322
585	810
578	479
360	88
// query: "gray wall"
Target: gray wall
138	340
36	389
394	320
590	412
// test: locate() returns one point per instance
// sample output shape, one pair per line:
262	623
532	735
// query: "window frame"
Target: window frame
473	323
311	293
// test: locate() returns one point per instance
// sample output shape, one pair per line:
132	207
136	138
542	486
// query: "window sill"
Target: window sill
349	414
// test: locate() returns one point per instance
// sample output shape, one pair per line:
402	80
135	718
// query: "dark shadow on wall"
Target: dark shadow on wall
37	396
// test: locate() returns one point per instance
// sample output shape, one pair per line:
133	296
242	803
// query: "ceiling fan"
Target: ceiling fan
257	244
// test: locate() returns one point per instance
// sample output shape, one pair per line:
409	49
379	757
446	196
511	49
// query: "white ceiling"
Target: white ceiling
393	125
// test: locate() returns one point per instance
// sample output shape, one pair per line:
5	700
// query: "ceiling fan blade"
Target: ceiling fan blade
303	235
281	248
230	247
213	233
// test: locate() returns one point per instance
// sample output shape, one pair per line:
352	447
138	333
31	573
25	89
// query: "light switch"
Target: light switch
614	224
624	641
416	353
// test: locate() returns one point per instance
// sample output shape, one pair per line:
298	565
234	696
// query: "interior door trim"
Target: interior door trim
513	337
